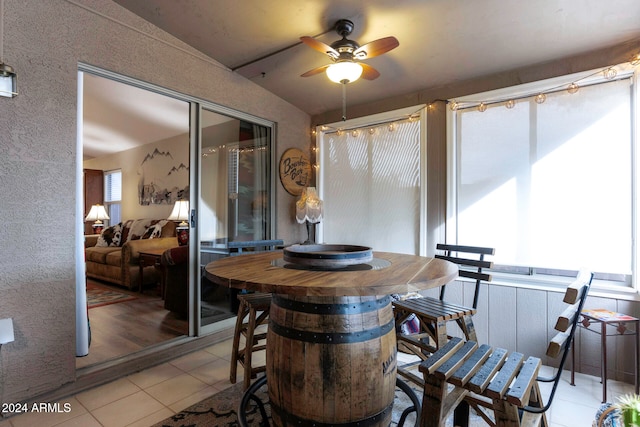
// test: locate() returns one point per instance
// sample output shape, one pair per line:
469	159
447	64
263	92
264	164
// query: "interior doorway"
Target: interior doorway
146	136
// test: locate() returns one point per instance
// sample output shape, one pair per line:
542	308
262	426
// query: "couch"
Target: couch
113	255
175	265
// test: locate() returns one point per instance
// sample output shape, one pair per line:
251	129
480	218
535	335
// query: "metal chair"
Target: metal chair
433	314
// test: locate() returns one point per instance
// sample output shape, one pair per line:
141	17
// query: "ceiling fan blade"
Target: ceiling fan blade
368	72
319	46
315	71
376	47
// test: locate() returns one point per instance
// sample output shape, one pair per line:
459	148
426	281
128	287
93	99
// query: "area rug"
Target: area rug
221	409
98	296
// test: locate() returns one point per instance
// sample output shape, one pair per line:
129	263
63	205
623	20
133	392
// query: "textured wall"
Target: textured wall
44	41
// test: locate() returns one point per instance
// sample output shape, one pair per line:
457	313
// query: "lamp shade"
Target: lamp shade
180	212
344	72
8	80
309	207
97	213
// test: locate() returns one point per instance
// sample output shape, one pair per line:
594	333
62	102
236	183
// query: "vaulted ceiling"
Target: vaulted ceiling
441	41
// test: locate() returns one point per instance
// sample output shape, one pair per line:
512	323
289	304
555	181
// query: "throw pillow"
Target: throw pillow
110	236
154	230
137	229
126	226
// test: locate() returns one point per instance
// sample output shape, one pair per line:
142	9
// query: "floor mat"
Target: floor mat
98	295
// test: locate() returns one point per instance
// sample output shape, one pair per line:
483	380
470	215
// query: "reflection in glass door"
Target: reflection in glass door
235	197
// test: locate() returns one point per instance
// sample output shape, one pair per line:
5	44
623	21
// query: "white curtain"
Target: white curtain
260	205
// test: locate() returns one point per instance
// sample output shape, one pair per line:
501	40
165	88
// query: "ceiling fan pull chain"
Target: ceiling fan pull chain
344	101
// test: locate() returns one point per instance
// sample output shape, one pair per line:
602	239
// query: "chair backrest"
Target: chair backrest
460	255
253	246
566	325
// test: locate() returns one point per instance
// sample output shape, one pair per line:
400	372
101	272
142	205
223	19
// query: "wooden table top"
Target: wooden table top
398	273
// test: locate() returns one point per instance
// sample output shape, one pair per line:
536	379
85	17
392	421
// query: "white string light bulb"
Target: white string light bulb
510	104
610	73
482	107
573	88
540	98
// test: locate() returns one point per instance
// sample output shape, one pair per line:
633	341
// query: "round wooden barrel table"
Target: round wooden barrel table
331	346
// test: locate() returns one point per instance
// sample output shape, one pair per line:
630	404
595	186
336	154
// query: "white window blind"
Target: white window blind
113	195
371	187
549	185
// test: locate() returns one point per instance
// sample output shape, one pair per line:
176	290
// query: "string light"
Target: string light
573	88
213	150
540	98
610	73
390	125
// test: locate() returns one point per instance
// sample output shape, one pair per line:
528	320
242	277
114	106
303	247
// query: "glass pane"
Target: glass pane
549	185
235	199
113	186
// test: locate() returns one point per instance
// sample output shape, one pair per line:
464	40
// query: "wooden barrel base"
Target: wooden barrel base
331	360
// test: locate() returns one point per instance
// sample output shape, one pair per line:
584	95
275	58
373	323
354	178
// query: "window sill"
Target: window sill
599	288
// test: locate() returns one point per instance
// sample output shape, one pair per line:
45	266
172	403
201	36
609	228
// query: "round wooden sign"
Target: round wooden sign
295	171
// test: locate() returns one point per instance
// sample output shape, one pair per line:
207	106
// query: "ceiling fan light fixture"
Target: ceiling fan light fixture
344	72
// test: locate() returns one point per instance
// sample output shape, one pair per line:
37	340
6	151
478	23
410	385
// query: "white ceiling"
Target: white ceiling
441	42
118	117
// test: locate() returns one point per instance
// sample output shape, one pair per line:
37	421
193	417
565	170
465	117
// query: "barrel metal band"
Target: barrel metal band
328	309
331	337
290	419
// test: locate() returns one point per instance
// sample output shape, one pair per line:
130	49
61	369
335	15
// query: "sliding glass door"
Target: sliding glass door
235	198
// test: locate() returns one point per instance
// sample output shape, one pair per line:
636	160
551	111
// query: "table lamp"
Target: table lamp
309	211
180	213
97	214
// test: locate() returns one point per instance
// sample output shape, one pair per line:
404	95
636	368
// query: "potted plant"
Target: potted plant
629	404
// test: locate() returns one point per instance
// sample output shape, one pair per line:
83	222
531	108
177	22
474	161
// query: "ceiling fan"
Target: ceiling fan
347	55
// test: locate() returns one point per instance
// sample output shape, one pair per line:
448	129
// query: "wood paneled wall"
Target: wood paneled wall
522	319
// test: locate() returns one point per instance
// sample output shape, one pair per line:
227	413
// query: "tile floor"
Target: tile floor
147	397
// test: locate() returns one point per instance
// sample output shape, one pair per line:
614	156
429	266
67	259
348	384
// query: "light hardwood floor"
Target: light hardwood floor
126	327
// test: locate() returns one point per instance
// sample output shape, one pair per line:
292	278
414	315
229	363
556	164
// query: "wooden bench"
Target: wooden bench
493	379
433	314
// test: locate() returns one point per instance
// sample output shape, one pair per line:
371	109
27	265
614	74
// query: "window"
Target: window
549	185
369	181
113	195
